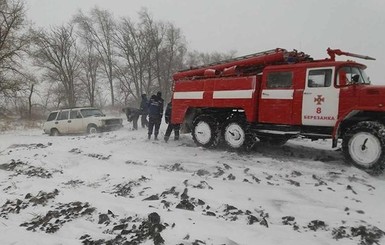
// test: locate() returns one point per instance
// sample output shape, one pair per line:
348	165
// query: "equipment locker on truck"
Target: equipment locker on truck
277	95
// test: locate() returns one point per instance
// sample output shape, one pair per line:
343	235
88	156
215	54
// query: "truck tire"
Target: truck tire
363	145
205	131
234	134
92	129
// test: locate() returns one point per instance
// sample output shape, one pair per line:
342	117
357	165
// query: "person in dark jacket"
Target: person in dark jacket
144	110
170	127
155	114
132	115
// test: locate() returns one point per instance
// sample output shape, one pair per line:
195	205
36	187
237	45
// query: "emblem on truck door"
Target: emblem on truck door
319	99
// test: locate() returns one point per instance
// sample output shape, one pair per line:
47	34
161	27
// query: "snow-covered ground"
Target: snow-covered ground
119	187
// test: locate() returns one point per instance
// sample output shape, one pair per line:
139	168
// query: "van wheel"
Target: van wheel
92	129
54	132
363	145
206	131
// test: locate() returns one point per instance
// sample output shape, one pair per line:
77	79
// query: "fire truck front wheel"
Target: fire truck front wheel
205	131
364	146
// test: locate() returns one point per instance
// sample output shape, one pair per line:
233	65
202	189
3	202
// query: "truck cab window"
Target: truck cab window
279	80
319	78
343	77
353	75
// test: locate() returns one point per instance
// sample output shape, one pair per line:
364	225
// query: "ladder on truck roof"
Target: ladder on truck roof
259	54
247	63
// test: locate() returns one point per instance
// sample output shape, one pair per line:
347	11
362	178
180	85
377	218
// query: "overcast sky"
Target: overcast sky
250	26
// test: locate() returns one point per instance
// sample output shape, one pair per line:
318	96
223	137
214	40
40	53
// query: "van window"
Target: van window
75	114
52	116
63	115
320	78
280	79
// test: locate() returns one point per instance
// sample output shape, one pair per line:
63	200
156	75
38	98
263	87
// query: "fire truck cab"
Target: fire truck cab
277	95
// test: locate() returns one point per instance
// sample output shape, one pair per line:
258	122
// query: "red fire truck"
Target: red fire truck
276	95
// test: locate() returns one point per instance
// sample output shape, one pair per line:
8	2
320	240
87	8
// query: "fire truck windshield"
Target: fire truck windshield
365	78
355	75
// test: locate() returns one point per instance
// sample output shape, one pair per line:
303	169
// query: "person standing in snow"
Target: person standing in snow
144	110
170	127
132	115
155	114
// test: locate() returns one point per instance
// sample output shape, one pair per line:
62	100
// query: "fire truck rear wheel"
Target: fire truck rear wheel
234	135
363	145
205	131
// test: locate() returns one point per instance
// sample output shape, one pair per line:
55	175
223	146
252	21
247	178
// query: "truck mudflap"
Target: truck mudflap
336	130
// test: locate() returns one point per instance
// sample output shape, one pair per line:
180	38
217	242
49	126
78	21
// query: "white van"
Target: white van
80	120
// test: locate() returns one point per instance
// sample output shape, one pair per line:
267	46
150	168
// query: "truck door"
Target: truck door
349	94
320	98
276	102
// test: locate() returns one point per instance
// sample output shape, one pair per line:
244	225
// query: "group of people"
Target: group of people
152	108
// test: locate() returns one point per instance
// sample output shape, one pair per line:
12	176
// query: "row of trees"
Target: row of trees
95	59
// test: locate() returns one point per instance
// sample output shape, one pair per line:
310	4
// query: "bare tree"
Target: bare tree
20	100
99	28
196	58
52	95
149	53
90	64
134	71
127	88
169	57
14	41
57	53
30	83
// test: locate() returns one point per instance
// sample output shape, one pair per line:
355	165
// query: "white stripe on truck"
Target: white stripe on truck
233	94
189	95
273	94
224	94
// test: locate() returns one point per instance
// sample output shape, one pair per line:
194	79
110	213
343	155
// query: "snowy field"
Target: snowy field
120	188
